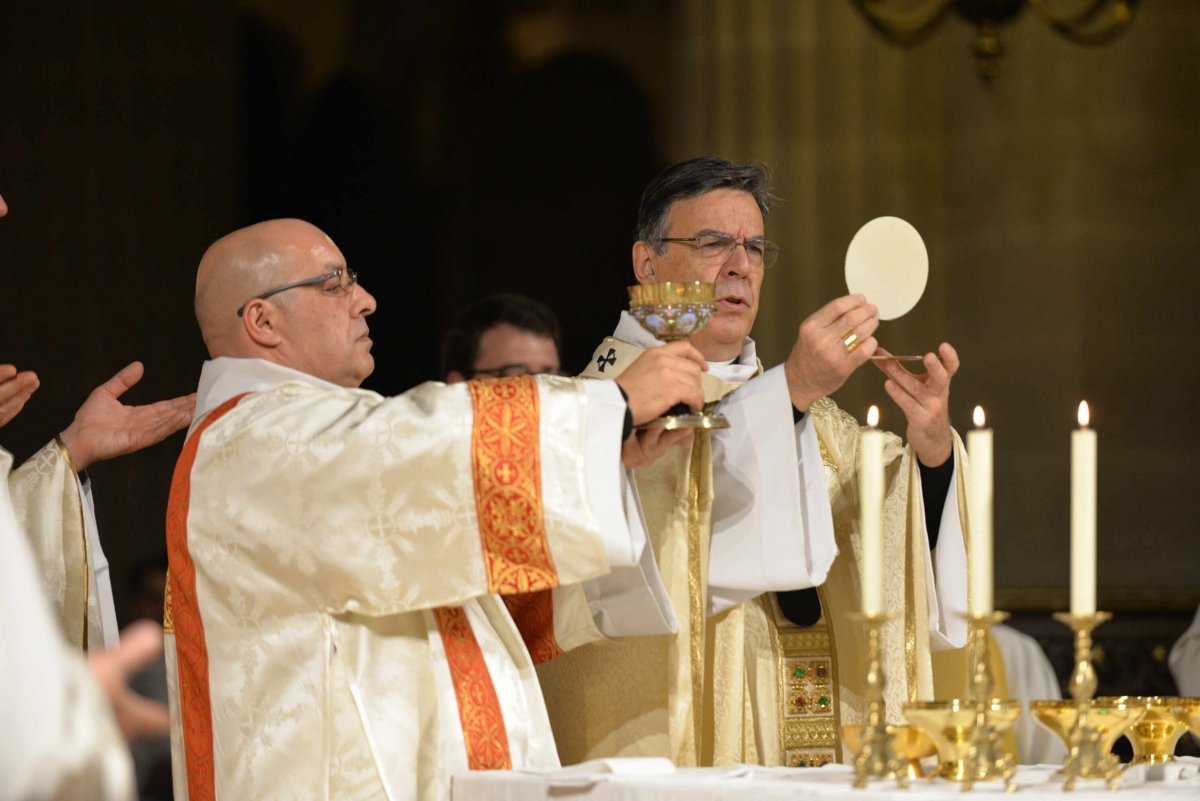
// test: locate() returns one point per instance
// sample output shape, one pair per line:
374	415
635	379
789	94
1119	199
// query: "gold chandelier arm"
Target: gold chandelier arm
904	29
1083	27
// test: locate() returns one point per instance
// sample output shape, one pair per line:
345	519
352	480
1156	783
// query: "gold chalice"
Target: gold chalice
1188	709
949	725
1110	716
910	742
672	311
1155	735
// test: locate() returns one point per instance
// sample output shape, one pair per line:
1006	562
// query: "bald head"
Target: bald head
239	266
319	328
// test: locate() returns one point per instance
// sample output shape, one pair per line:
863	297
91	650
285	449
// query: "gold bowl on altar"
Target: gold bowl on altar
1188	709
672	310
1155	735
1111	717
950	724
910	743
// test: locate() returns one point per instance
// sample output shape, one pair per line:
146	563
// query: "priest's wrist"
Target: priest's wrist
69	442
627	426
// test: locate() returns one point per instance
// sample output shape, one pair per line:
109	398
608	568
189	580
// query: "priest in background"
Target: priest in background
335	624
754	529
501	336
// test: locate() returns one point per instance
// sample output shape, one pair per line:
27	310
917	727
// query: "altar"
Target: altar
595	781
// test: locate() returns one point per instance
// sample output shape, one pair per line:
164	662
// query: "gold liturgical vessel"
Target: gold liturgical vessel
1155	735
1086	756
968	734
672	311
878	757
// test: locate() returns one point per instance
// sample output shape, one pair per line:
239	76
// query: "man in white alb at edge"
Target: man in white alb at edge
334	623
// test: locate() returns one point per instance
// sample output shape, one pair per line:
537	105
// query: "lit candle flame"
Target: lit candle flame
1084	415
978	417
873	416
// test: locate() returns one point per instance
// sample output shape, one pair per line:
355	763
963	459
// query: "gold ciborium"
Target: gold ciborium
1155	735
672	311
950	724
1188	709
1110	716
908	741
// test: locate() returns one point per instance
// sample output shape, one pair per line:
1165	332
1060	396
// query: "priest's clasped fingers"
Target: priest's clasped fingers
925	401
646	446
15	389
661	378
104	427
832	343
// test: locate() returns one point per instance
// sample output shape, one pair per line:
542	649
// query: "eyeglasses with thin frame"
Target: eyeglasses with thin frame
347	278
716	247
512	370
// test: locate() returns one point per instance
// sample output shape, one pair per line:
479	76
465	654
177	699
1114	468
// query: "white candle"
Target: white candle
979	507
1083	516
870	508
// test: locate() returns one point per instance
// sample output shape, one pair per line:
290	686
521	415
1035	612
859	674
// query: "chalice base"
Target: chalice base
701	421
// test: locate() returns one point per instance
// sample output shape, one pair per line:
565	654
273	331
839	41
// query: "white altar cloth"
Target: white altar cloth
638	780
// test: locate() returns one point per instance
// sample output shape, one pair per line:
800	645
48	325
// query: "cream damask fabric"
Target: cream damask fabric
326	527
46	498
710	694
58	739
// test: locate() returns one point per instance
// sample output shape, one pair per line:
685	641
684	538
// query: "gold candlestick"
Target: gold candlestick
877	759
1085	758
986	758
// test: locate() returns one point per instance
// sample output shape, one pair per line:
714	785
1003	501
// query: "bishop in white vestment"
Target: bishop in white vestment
770	504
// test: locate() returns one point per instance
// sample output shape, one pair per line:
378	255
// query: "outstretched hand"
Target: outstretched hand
104	427
15	389
925	401
112	668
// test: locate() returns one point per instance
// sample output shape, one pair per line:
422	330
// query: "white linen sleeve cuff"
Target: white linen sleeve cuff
946	573
605	475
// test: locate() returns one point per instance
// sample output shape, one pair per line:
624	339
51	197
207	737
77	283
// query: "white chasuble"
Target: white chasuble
766	505
55	509
334	619
59	739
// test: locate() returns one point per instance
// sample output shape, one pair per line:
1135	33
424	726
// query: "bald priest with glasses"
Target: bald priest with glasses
754	529
338	560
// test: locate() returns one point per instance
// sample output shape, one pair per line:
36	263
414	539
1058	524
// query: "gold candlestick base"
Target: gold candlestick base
1086	759
986	758
877	759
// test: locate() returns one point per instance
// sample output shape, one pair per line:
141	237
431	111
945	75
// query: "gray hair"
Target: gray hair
693	178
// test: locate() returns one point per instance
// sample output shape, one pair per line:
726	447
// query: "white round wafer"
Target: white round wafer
887	262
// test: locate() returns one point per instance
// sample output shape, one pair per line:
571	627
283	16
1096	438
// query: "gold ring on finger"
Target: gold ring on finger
851	340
